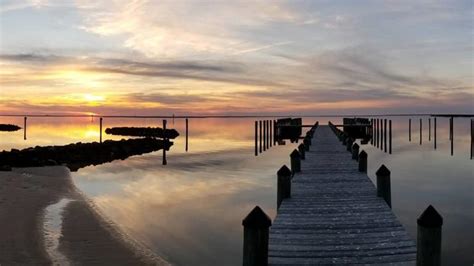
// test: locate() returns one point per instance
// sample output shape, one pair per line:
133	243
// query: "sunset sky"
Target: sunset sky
236	57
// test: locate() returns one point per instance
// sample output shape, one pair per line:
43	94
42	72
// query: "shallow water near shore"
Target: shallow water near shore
190	211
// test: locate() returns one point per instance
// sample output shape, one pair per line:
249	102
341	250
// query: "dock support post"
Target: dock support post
421	131
349	144
274	133
428	241
409	129
429	129
24	127
283	184
385	135
295	159
390	136
264	135
381	134
260	135
452	135
363	162
256	235
355	152
306	143
187	134
383	184
472	136
165	142
378	132
302	151
100	129
256	138
270	132
372	131
434	133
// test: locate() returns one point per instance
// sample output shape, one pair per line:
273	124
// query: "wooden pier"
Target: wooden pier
334	215
329	212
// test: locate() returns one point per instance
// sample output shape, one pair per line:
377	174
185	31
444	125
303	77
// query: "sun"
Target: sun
92	98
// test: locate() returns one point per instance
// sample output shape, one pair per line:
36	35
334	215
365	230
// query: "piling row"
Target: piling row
301	234
264	135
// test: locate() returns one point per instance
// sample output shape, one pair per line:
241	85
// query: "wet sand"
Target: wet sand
87	238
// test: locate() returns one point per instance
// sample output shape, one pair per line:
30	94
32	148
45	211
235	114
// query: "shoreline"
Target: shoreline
87	237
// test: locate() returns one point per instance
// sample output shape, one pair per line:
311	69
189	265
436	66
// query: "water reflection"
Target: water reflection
190	211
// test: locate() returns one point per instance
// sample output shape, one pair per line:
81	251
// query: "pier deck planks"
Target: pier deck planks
334	215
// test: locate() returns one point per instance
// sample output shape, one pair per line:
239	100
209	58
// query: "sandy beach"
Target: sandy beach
86	237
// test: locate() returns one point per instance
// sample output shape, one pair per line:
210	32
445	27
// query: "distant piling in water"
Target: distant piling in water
409	129
256	138
24	127
434	129
165	140
187	133
260	135
390	136
421	131
100	129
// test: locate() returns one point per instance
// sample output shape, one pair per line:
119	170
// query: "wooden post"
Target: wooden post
306	144
434	133
295	159
429	129
385	135
260	135
165	142
350	141
100	129
302	150
187	134
421	130
409	129
381	134
271	132
428	241
256	235
472	136
378	133
24	127
372	131
274	133
390	136
383	184
256	138
452	136
264	135
355	151
283	184
363	162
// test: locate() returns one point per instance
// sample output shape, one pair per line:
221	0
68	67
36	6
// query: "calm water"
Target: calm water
190	211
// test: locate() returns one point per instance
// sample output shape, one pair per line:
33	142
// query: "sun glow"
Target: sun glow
92	98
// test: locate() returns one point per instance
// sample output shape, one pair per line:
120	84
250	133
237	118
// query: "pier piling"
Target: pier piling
165	141
383	184
363	161
256	235
100	129
429	238
295	159
385	135
302	150
260	136
355	151
434	128
283	184
390	136
409	129
421	131
187	134
256	138
24	127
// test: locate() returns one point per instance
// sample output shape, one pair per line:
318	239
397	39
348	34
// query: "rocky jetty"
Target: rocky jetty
9	127
154	132
78	155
